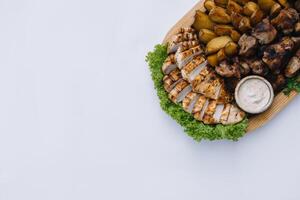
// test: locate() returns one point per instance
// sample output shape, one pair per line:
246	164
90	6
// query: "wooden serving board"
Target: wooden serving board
280	101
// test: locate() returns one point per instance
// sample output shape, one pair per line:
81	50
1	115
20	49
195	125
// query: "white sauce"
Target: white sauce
254	95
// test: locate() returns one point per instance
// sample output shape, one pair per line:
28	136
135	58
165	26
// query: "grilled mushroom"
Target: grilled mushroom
286	20
294	65
264	32
275	54
227	70
248	45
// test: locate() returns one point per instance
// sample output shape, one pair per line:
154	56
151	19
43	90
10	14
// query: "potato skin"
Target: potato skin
206	35
221	3
213	60
242	2
209	5
219	15
245	25
232	6
236	19
250	8
266	5
231	49
257	17
221	55
275	10
202	21
235	35
216	44
222	29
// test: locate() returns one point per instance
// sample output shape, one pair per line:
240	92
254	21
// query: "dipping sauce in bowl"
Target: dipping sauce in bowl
254	94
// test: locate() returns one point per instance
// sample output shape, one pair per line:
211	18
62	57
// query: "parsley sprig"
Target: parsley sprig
292	84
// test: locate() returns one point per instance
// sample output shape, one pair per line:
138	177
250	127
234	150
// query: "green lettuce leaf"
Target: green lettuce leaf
197	130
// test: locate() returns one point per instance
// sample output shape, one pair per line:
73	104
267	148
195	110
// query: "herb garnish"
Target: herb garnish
292	84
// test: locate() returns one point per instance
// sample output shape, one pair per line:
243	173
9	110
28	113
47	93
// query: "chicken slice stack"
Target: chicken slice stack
191	83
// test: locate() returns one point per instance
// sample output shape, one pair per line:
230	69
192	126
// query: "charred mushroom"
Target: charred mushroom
264	32
248	45
286	20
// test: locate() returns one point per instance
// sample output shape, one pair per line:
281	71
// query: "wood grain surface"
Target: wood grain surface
280	101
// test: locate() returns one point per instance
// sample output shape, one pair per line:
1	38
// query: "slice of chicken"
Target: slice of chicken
178	39
169	64
218	113
264	32
170	81
199	115
294	66
185	57
208	117
186	45
199	104
189	101
225	113
178	93
235	115
193	68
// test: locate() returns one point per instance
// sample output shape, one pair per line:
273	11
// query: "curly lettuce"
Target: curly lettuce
197	130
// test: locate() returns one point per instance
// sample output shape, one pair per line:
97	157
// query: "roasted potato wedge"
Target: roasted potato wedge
213	60
297	27
266	5
245	25
236	19
209	4
257	17
219	15
216	44
202	20
222	29
231	49
242	2
235	36
221	3
206	35
221	55
284	3
232	6
275	10
250	8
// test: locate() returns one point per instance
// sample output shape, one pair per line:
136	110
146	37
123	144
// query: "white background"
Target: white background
80	120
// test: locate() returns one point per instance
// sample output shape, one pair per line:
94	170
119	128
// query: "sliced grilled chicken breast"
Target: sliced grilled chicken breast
177	40
193	68
199	104
199	115
225	113
185	57
235	115
169	64
208	117
171	80
186	45
189	101
178	93
218	113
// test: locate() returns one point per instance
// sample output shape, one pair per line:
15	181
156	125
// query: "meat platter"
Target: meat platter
220	45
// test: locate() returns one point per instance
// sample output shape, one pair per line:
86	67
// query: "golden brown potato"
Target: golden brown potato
202	21
221	55
206	35
297	27
222	29
232	6
219	15
236	19
221	3
235	36
245	25
209	4
250	8
213	60
257	17
275	10
216	44
266	5
242	2
284	3
231	49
